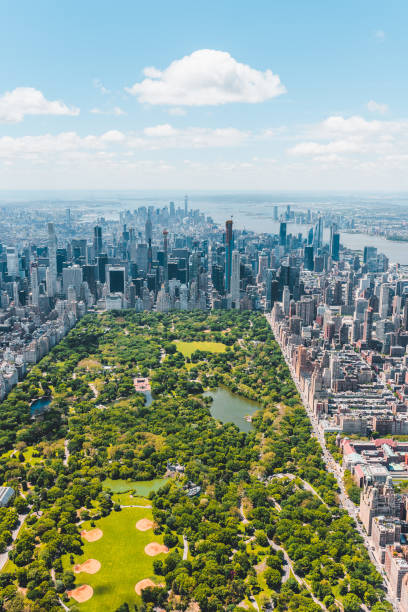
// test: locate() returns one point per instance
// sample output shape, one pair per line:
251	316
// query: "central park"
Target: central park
165	461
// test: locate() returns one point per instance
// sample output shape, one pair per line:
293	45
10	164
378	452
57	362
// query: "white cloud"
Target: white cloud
97	83
351	125
165	136
116	110
160	130
206	77
113	136
375	107
24	146
317	148
379	35
340	136
22	101
151	139
177	112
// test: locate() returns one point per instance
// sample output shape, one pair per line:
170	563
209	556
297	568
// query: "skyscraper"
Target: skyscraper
116	279
97	240
34	285
102	262
308	258
229	246
384	300
318	234
286	300
334	243
149	257
165	261
186	205
72	277
368	326
148	228
282	234
52	258
12	261
235	279
369	253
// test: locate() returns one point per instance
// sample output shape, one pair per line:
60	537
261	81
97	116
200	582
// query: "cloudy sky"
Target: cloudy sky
262	95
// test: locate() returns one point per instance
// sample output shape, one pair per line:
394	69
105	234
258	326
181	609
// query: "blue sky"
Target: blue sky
217	95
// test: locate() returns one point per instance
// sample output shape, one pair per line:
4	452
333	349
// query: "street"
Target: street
333	467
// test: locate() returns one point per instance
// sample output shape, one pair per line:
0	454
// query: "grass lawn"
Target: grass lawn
123	560
142	487
89	364
127	499
188	348
28	456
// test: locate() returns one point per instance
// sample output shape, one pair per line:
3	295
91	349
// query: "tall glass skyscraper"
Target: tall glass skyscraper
282	234
229	247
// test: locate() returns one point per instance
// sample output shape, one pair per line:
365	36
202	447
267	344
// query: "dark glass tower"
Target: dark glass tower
282	234
229	247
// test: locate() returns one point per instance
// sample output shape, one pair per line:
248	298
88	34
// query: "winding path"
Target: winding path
134	506
306	484
66	452
4	556
185	549
94	389
241	511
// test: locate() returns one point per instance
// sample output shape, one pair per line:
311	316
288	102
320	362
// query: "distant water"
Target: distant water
229	407
249	210
39	406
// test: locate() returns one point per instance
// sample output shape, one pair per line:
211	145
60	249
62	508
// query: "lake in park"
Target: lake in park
229	407
39	405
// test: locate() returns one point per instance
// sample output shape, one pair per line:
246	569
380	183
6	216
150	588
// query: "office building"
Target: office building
229	247
235	279
116	279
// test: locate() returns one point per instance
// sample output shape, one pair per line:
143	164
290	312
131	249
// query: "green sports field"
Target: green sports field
123	560
142	487
188	348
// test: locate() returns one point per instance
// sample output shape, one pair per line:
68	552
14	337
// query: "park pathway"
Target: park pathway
306	484
66	452
185	550
241	510
134	506
94	389
4	556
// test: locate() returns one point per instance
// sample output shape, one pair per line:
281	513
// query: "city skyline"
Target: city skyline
134	96
203	306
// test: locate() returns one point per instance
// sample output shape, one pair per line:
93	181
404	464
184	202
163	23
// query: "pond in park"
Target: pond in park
141	487
39	405
229	407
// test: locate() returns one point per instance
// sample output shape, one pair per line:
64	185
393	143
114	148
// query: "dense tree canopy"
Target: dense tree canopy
253	512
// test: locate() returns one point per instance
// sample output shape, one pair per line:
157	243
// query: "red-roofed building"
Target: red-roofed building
347	447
